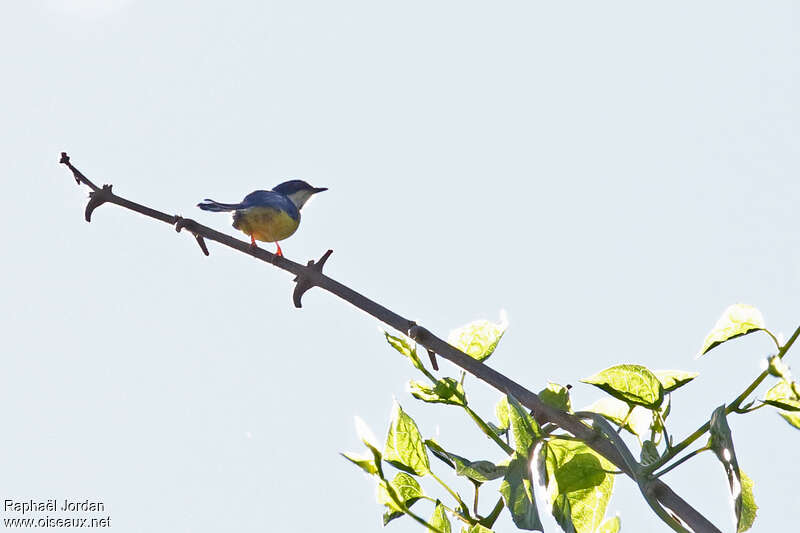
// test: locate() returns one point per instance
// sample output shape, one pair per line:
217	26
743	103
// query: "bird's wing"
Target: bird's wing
270	199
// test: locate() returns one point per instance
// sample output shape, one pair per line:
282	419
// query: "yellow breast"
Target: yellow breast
265	223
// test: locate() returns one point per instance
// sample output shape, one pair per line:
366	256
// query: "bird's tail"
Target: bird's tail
211	205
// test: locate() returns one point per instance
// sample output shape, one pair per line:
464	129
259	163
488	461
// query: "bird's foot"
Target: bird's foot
280	252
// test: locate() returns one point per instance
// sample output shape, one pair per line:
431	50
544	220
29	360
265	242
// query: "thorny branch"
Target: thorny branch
308	276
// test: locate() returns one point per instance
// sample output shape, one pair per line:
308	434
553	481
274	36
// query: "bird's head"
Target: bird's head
298	191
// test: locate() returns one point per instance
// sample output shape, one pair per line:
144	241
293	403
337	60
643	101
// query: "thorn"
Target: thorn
304	283
432	355
96	199
189	224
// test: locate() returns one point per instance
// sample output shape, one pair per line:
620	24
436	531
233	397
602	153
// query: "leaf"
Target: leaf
736	320
525	429
783	396
501	412
721	442
404	448
439	519
557	396
406	347
446	390
672	379
649	453
478	339
578	484
366	461
749	506
368	438
405	487
778	368
611	525
477	528
630	383
517	493
792	418
615	411
480	471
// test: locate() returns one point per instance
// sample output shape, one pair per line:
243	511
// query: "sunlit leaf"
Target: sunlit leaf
557	396
792	418
721	442
404	448
517	492
439	519
778	368
446	390
478	339
364	461
630	383
501	412
578	484
477	528
611	525
736	320
749	506
407	347
783	395
406	489
524	428
672	379
615	411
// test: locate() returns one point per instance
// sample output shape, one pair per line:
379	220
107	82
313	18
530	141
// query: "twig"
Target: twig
312	275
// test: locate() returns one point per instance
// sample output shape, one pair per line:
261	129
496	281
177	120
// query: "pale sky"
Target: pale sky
612	175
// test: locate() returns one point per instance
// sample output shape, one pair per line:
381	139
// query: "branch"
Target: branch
311	275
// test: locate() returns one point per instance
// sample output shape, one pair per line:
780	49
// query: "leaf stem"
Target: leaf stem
455	495
681	461
488	431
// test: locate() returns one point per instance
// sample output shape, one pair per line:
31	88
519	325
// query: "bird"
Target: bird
268	216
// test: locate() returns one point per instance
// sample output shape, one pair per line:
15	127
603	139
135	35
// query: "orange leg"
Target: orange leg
280	252
253	242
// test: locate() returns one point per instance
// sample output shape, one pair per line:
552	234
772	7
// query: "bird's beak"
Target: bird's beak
315	190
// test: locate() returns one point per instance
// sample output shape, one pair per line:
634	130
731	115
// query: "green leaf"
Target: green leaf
480	471
792	418
672	379
578	484
749	506
439	519
406	489
649	453
783	396
478	339
477	528
630	383
615	411
501	412
407	347
557	396
721	442
368	438
366	461
517	493
778	368
736	320
611	525
524	428
404	448
446	390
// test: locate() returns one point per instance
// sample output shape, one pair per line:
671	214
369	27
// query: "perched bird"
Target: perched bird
268	216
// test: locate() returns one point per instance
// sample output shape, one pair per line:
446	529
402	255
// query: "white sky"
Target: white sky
612	174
